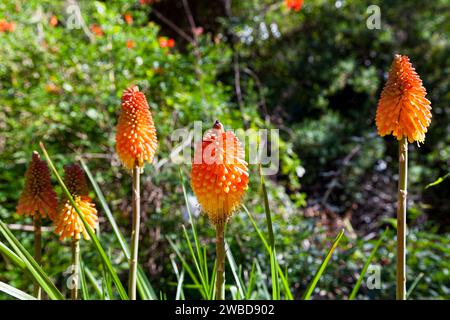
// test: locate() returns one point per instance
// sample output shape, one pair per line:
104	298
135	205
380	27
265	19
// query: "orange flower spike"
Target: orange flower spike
136	139
38	199
403	109
219	175
68	224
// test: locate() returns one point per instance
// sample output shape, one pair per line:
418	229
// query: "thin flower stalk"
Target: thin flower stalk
404	112
136	143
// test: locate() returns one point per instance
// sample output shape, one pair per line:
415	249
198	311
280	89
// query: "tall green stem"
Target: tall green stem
76	268
134	233
401	219
37	251
220	256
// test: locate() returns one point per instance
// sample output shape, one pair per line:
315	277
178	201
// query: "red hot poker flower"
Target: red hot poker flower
219	175
38	199
68	224
136	140
403	109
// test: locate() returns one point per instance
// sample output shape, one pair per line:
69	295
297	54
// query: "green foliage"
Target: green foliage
314	74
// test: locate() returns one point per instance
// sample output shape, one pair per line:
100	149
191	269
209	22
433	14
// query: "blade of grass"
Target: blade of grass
122	293
187	267
191	221
14	292
93	281
262	284
144	287
414	284
234	269
33	267
366	266
14	258
251	282
274	274
322	267
197	264
84	286
267	209
286	289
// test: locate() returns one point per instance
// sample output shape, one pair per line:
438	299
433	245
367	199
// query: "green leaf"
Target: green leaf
414	285
438	181
234	268
322	267
33	267
8	253
84	287
366	266
286	289
14	292
93	281
106	262
267	210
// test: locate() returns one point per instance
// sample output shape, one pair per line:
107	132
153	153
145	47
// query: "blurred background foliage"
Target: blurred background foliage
315	74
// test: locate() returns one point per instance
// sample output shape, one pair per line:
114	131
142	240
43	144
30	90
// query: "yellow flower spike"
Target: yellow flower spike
68	224
403	110
38	199
136	140
219	175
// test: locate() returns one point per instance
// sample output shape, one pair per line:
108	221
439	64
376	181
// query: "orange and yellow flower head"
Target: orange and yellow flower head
38	199
403	109
136	140
219	175
68	224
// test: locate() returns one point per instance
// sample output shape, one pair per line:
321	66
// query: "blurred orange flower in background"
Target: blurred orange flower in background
68	224
219	175
403	109
53	21
136	140
97	30
165	42
38	199
130	44
144	2
6	26
295	5
128	18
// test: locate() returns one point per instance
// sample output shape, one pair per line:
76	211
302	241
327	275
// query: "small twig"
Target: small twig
333	183
258	83
172	25
28	228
